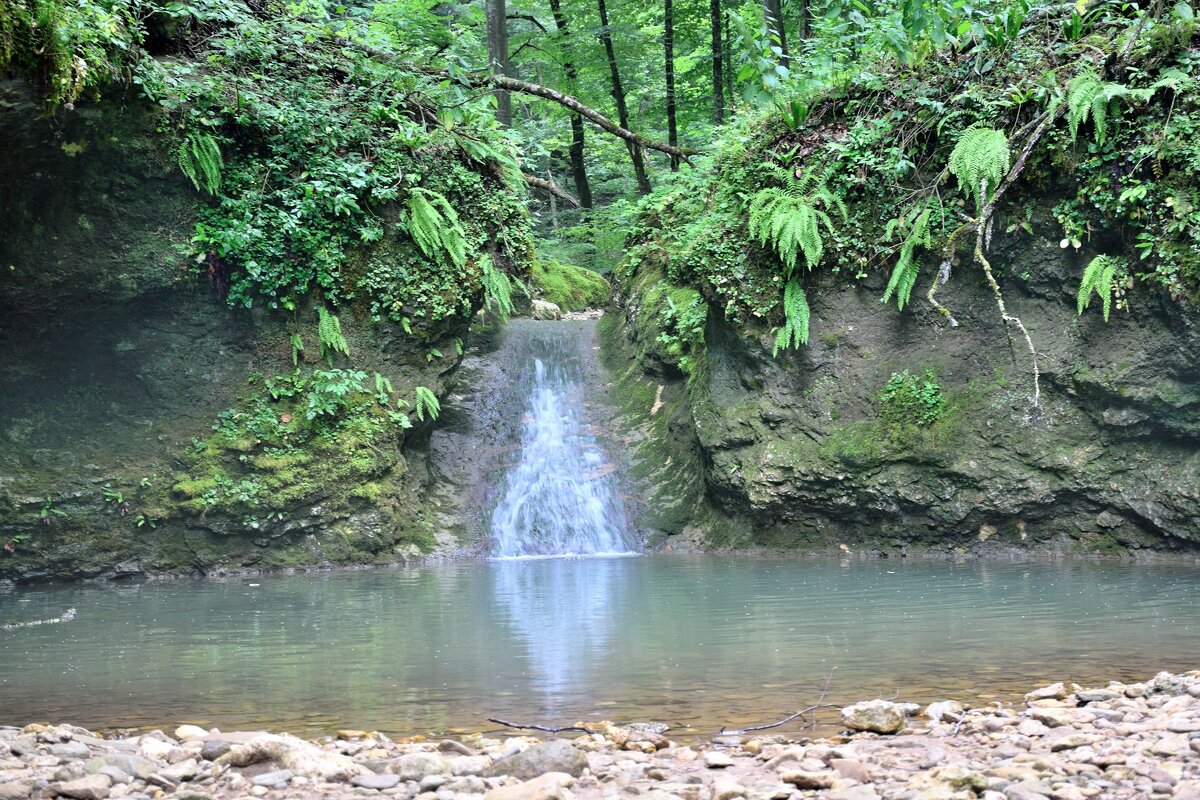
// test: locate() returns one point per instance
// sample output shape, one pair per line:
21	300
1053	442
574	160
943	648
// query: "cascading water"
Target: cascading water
560	498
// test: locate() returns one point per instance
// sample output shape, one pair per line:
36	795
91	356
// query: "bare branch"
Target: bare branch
529	18
543	728
784	721
553	188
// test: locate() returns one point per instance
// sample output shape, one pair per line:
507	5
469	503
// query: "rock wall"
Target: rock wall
794	453
117	358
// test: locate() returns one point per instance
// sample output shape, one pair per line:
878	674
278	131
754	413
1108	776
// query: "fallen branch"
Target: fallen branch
546	93
542	728
784	721
553	188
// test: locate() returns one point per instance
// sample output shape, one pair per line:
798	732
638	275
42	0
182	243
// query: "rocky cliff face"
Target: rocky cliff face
131	440
797	452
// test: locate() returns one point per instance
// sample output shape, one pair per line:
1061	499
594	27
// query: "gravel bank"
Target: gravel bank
1139	740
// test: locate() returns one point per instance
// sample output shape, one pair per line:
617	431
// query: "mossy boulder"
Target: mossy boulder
569	287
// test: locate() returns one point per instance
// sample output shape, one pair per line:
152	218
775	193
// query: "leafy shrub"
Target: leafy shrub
908	400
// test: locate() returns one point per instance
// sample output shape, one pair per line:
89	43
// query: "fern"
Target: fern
1090	97
297	349
434	226
1099	277
427	403
200	160
795	318
383	390
790	218
904	274
329	331
498	288
980	160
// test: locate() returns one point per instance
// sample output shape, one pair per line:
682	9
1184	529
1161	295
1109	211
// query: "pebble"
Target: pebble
272	779
717	759
377	782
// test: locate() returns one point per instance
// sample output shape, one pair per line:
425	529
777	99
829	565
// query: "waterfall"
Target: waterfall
559	498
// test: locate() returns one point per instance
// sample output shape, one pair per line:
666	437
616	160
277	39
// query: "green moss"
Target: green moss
569	287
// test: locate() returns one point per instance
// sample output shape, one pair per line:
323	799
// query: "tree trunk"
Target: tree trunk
718	62
805	22
669	66
497	45
618	93
583	188
773	14
731	103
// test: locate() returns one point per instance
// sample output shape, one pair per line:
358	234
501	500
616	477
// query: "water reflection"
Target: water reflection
698	640
564	612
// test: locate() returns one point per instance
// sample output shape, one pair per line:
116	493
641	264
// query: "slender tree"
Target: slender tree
497	45
583	189
718	62
618	93
669	67
773	14
729	106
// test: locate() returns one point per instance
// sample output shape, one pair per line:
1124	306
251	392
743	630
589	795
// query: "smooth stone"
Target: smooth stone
851	768
212	749
289	753
854	793
802	779
270	779
183	771
70	750
877	716
467	784
136	766
944	711
726	788
116	774
185	732
91	787
150	747
453	746
15	790
548	786
715	759
415	766
555	755
431	783
377	782
469	765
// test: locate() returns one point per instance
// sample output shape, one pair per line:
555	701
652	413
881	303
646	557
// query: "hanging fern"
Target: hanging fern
904	274
1099	277
795	318
434	226
427	403
329	331
1090	97
498	288
790	218
980	160
200	160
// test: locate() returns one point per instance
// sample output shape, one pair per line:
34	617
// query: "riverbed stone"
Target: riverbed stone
135	766
547	786
417	766
15	790
70	750
803	779
377	782
556	755
878	716
717	759
186	732
296	755
212	749
273	778
89	787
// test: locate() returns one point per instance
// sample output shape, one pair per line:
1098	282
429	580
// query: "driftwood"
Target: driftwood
543	728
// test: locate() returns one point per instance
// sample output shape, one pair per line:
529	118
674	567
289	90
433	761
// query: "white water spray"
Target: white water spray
560	498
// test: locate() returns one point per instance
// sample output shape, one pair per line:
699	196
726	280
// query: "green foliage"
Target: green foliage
1100	278
297	348
433	224
795	318
331	391
427	404
329	333
979	161
904	273
790	218
912	401
200	160
498	288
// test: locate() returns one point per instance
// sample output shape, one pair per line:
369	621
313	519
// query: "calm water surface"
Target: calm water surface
695	641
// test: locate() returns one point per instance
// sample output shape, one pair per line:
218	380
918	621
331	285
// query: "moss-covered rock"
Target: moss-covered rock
569	287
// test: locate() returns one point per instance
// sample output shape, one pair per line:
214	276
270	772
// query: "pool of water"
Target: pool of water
695	641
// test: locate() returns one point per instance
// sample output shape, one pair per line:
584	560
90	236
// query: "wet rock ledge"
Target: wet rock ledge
1139	740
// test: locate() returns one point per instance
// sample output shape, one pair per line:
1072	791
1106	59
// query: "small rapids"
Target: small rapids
560	498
